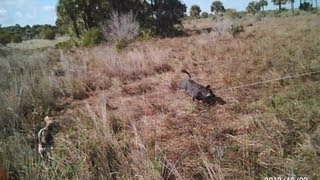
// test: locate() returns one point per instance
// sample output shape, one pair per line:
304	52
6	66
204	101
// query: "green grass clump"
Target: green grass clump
298	109
47	33
67	44
5	37
16	38
121	44
29	91
236	29
92	37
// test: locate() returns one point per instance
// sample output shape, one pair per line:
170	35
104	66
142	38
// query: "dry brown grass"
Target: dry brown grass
130	120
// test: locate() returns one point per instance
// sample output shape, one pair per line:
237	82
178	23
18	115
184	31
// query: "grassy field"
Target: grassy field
124	117
37	43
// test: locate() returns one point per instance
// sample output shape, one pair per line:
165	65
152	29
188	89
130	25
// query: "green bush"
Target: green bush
306	6
67	44
232	13
92	37
236	29
16	38
146	34
47	33
204	15
260	15
5	37
120	44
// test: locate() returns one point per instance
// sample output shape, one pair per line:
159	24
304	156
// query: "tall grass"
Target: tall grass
28	86
32	85
122	29
134	64
123	26
28	92
127	121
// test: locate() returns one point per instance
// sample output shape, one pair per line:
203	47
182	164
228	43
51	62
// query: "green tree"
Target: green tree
204	15
5	37
92	37
16	38
253	7
263	3
81	14
217	7
125	6
47	32
279	3
68	13
232	13
306	6
195	11
165	14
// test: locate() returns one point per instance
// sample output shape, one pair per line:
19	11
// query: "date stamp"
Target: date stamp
286	178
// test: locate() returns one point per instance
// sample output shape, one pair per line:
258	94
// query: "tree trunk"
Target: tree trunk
87	18
292	6
279	6
316	2
85	22
75	26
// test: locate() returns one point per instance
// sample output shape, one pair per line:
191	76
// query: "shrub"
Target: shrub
236	29
122	28
260	15
306	6
47	33
16	38
222	26
232	13
204	15
147	34
120	44
5	37
67	44
92	37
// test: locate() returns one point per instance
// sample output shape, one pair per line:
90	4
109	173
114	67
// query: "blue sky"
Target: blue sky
30	12
239	5
27	12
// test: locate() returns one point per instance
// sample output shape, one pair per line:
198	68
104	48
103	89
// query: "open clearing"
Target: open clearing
37	43
124	116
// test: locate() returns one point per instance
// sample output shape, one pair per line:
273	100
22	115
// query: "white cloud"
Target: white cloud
30	16
32	13
3	13
48	8
18	14
25	12
17	3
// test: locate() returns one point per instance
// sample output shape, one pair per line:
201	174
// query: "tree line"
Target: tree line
253	7
305	5
78	16
157	17
18	33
